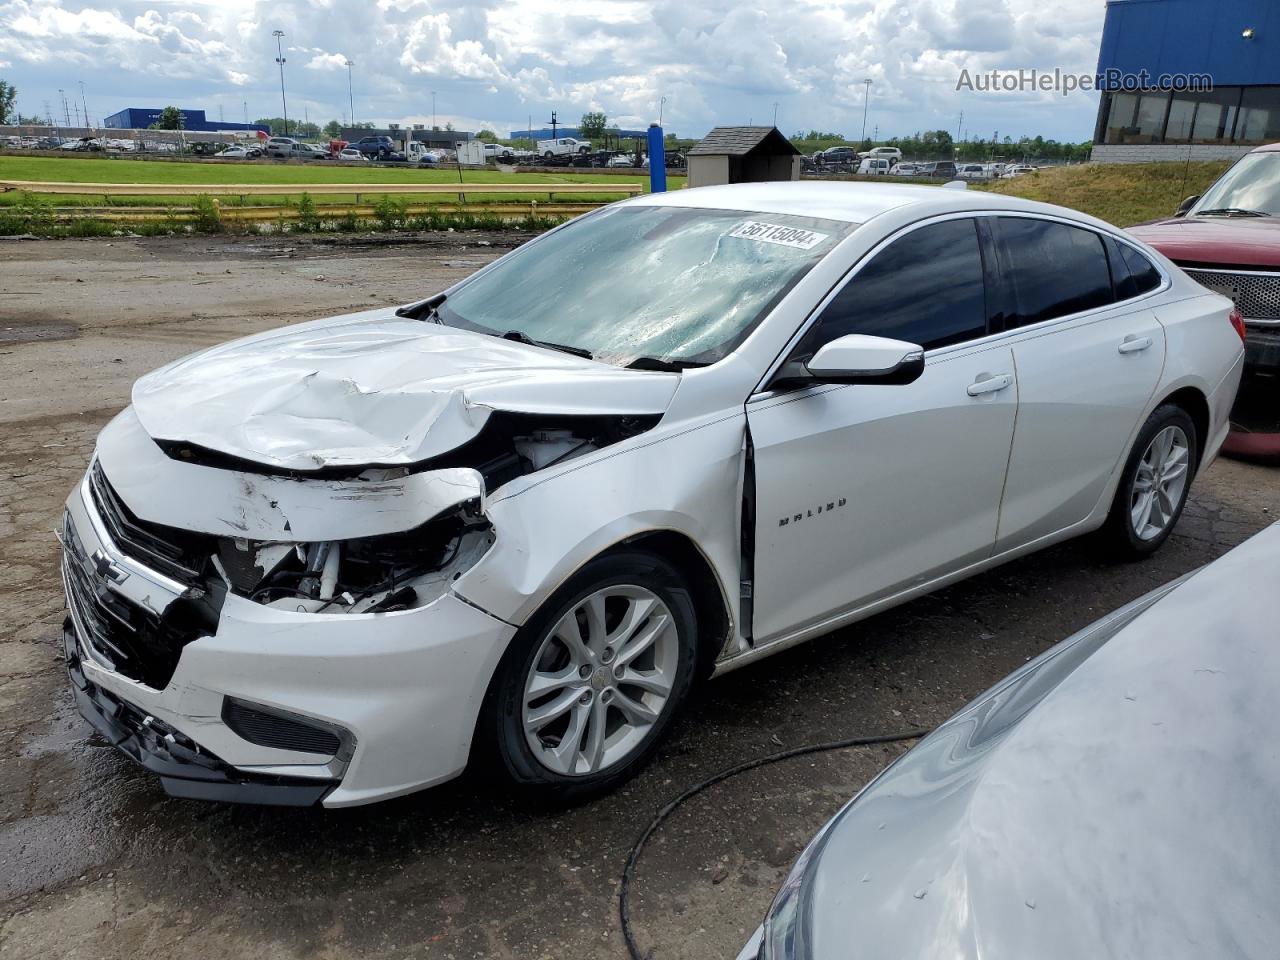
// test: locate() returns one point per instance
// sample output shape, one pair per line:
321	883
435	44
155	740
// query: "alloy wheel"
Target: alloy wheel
601	678
1159	483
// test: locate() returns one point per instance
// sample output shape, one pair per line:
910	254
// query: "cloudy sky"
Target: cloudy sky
496	63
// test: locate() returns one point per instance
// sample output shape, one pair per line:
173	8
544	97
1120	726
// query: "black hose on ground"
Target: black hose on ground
628	872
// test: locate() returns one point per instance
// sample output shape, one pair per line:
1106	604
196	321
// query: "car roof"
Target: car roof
848	202
1268	148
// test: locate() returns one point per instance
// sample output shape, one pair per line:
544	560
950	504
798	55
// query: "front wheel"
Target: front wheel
591	683
1154	486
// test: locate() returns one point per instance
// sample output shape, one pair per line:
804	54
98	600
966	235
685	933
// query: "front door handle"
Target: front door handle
989	384
1134	344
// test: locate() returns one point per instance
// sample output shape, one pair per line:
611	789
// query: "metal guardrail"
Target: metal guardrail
357	190
291	213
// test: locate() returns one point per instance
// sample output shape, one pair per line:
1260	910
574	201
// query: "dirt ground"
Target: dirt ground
95	861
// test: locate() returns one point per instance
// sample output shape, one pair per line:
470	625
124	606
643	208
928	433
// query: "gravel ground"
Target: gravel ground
95	861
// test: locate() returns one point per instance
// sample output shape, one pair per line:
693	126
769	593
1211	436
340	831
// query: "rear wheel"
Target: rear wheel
591	683
1155	483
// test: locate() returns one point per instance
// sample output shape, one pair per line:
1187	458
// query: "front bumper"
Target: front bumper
404	688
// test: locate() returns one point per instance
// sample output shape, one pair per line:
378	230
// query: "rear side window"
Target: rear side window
1051	270
925	288
1143	272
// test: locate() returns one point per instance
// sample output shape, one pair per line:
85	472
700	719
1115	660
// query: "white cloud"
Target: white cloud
499	62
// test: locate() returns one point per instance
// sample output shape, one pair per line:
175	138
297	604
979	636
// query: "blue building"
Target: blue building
140	118
1188	77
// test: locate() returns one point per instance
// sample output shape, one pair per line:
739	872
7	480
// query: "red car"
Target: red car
1229	241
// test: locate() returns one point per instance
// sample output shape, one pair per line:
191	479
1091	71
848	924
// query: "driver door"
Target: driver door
864	491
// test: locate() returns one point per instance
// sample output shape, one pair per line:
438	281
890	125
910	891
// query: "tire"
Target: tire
617	725
1138	524
548	155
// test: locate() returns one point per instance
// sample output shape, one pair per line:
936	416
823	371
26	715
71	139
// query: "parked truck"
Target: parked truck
563	146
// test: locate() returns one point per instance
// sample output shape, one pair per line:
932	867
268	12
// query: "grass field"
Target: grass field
1120	193
88	171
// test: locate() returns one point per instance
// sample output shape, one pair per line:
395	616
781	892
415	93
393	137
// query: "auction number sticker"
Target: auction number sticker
773	233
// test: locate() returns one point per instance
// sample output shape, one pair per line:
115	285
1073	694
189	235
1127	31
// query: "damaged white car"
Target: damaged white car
332	563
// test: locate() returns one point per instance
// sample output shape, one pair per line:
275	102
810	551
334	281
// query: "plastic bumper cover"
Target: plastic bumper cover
404	687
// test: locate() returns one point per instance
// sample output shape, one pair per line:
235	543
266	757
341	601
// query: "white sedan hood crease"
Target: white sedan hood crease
374	388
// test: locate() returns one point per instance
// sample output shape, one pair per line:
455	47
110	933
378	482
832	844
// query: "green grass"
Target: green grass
69	170
1120	193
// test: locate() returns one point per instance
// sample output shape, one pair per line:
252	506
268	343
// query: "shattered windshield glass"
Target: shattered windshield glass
664	284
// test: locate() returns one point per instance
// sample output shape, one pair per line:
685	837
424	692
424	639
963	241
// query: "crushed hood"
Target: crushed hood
374	388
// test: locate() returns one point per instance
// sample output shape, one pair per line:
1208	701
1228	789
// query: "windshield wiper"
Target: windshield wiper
428	309
519	336
1232	212
657	363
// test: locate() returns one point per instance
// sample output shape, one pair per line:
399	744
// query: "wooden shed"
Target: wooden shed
743	155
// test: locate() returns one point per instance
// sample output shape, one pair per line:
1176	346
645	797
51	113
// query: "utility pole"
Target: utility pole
959	126
284	107
84	104
434	124
66	110
351	101
775	113
554	123
866	100
662	102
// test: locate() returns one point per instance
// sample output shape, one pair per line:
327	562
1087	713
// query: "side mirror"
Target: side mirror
856	358
1185	206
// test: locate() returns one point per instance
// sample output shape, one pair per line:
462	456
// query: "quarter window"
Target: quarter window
1051	270
925	288
1144	273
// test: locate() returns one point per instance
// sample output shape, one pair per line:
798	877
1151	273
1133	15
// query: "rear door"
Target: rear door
863	491
1089	356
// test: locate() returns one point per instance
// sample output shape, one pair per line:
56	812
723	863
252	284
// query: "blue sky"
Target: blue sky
497	64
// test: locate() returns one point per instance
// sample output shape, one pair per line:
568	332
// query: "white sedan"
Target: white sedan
521	518
352	155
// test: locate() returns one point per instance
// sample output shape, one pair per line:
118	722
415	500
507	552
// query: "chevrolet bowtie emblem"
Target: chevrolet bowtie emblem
107	568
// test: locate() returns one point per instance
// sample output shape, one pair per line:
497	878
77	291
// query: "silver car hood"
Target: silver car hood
1115	798
374	388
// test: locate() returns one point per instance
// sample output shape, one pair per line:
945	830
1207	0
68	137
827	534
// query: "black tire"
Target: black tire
1118	537
501	737
548	155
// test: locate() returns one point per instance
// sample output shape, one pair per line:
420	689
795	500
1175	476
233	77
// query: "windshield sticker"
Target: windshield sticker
772	233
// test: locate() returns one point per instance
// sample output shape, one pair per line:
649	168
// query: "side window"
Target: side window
925	288
1052	269
1144	273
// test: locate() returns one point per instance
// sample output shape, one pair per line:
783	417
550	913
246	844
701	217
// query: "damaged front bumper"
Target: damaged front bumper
264	703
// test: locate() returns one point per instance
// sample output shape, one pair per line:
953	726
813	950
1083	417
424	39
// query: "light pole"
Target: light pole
350	96
865	101
662	102
84	104
284	107
775	113
434	125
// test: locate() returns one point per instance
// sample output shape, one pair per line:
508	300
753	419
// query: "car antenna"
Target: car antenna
416	310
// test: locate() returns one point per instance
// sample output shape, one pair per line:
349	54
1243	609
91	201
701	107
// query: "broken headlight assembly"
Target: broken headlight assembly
395	571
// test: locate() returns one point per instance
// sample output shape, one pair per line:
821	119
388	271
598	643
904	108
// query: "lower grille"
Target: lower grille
276	730
1256	294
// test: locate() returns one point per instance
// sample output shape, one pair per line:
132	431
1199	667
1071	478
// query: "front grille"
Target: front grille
134	642
177	554
274	730
1256	295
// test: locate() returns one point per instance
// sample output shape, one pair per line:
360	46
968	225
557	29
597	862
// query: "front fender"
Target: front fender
686	480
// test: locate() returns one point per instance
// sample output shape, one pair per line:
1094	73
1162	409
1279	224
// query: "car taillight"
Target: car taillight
1237	323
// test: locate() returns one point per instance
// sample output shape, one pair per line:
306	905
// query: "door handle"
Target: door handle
992	384
1134	344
